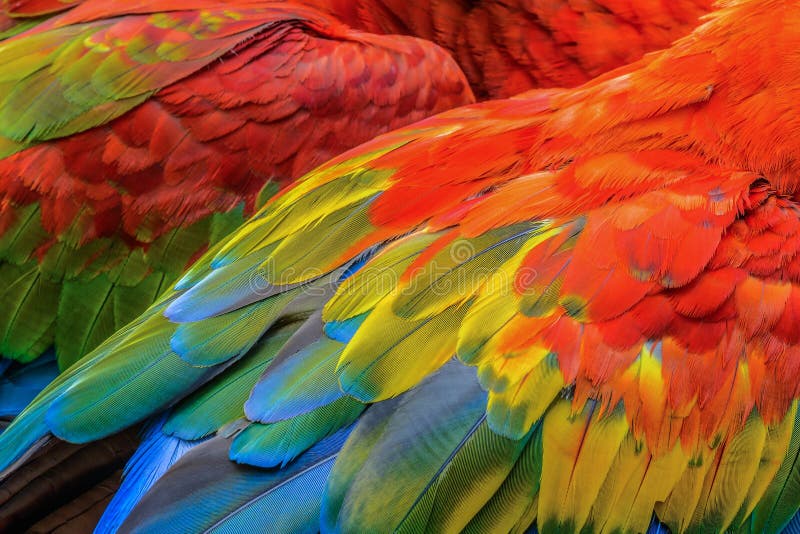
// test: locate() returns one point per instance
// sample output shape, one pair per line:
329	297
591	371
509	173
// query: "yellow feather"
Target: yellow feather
663	473
610	510
734	476
775	449
679	507
578	452
488	315
389	355
496	304
561	434
600	447
519	396
527	519
301	210
461	270
369	285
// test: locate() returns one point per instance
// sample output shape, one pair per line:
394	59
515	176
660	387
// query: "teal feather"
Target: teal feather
297	384
30	428
217	339
277	444
136	379
20	385
220	401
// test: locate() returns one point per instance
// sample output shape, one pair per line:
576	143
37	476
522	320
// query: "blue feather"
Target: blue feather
22	383
157	453
358	263
227	497
657	527
343	331
297	384
794	525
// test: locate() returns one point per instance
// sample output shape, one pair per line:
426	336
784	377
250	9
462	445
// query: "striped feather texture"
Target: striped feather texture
614	269
229	497
134	158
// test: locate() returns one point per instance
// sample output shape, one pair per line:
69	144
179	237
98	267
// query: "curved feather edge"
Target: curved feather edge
794	525
156	454
277	444
297	384
441	454
228	496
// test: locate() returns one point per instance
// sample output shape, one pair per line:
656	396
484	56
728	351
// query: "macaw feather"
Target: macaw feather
154	456
438	469
297	384
640	355
277	444
157	130
228	496
219	402
223	337
780	501
19	385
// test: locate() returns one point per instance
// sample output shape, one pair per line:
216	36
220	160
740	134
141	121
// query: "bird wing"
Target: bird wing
154	126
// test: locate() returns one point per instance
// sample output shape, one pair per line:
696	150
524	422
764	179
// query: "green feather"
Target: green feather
782	498
357	449
21	239
277	444
26	317
221	401
216	339
85	313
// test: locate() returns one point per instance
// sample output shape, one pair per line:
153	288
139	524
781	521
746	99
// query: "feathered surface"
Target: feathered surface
16	16
509	46
135	134
615	269
35	8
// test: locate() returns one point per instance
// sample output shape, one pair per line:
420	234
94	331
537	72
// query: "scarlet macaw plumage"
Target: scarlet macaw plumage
614	268
122	160
16	16
507	47
91	262
88	233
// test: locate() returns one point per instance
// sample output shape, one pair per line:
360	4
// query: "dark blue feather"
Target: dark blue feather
22	383
794	525
156	454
